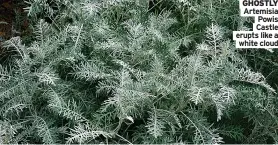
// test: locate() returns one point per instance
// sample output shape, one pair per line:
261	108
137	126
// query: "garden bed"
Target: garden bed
13	22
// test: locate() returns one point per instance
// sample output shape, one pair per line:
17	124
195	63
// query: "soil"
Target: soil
6	19
13	21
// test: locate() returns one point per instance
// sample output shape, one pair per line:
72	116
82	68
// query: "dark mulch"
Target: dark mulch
13	21
6	19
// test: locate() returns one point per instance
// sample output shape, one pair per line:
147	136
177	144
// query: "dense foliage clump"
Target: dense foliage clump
133	71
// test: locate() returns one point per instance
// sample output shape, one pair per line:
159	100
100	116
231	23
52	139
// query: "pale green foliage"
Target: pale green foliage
82	133
111	72
7	132
155	125
90	72
46	133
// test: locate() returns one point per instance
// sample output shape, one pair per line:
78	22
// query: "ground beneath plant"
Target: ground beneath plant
13	21
6	19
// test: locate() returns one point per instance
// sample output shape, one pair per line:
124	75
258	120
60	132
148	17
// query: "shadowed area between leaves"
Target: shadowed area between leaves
13	22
